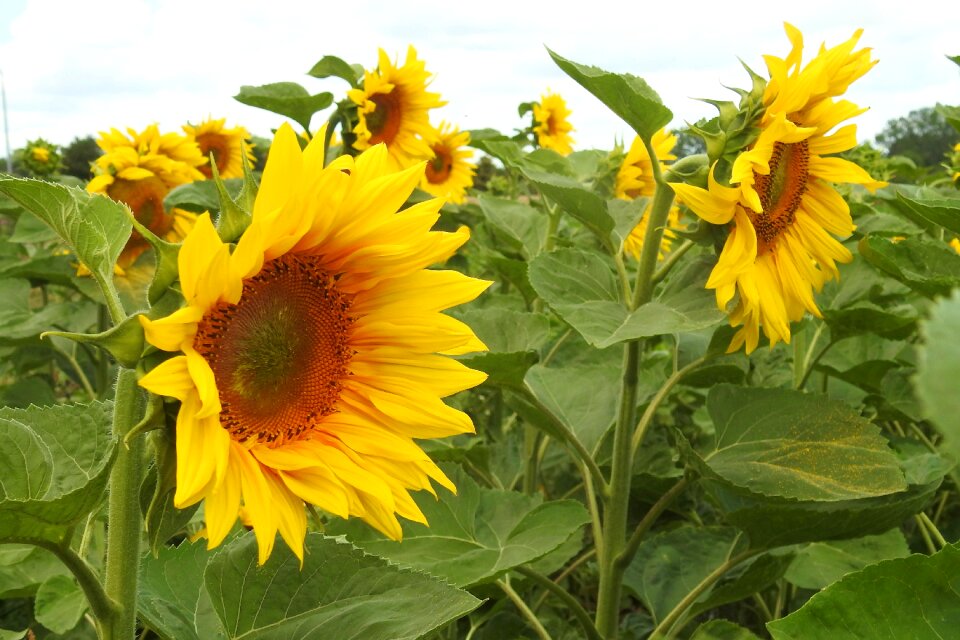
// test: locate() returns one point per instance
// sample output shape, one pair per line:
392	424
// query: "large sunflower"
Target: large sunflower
228	147
635	180
139	171
449	173
783	209
313	354
551	125
394	107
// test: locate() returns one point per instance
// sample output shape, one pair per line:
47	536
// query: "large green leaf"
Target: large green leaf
916	597
513	339
944	212
578	201
477	535
789	444
287	99
938	369
340	592
95	227
171	597
332	66
626	95
526	225
60	603
865	317
931	268
24	568
56	462
822	563
722	630
582	289
202	195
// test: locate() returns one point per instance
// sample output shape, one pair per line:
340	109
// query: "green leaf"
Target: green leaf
582	289
162	519
332	66
201	196
938	369
475	536
514	339
626	95
820	564
943	212
339	593
523	223
286	99
583	397
30	229
788	444
930	268
722	630
95	227
23	568
124	341
915	597
171	597
895	322
575	199
59	604
56	462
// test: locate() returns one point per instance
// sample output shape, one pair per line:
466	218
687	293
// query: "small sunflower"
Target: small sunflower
139	170
228	147
551	125
40	157
449	173
394	107
635	180
312	355
783	209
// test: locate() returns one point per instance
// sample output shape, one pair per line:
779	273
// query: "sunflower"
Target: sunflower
550	124
449	173
139	170
393	109
40	157
635	180
782	210
313	354
228	147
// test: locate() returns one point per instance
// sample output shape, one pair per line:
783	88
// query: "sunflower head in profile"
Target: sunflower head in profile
310	357
781	208
635	180
393	108
140	169
551	125
449	172
228	146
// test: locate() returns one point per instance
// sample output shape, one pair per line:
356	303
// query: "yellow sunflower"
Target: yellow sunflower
228	147
783	209
635	180
550	124
394	107
314	353
139	171
449	173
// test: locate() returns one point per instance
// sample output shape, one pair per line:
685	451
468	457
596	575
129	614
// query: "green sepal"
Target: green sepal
235	215
124	341
167	255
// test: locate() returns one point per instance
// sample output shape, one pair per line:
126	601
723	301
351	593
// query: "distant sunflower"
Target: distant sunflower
635	180
314	354
228	147
139	171
40	158
782	206
551	125
394	107
449	173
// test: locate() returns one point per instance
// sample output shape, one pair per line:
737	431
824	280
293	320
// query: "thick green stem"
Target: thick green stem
666	625
571	602
123	517
615	516
659	210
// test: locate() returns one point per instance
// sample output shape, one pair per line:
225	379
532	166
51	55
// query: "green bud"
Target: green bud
235	215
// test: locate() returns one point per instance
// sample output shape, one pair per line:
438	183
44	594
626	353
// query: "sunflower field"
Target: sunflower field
382	378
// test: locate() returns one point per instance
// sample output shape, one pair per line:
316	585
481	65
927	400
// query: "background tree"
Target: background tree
923	135
79	155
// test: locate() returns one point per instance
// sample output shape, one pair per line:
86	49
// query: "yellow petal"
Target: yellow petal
205	383
284	168
222	504
169	378
173	331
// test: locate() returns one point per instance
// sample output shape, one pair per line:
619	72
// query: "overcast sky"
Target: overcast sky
75	68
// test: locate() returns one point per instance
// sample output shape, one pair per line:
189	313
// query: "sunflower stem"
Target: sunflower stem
124	522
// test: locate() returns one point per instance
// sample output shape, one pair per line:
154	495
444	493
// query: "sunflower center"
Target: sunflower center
781	191
384	121
215	144
280	354
145	199
438	170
